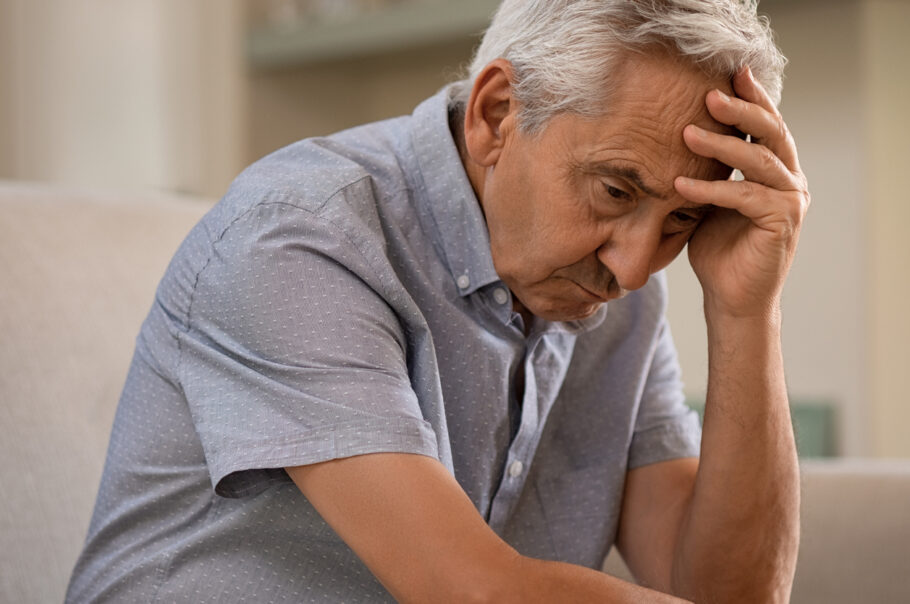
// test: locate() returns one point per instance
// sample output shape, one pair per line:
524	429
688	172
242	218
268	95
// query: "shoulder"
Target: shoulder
311	172
315	199
331	186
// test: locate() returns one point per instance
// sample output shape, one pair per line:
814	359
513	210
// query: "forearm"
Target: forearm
545	581
741	531
421	536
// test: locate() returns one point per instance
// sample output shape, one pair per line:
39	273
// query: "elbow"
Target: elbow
478	581
495	584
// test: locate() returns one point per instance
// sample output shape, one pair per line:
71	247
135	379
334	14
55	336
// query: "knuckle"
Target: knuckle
798	206
790	230
793	219
780	126
801	188
805	200
767	159
746	191
789	140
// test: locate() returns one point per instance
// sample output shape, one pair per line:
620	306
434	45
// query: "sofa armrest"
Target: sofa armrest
855	533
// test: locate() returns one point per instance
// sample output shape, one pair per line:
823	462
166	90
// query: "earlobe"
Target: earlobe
490	113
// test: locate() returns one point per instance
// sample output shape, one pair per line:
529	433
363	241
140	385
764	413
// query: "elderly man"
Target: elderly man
427	359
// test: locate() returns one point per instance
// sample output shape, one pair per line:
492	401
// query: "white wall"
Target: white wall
886	85
145	93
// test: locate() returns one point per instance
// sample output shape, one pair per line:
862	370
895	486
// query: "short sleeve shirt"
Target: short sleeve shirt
342	300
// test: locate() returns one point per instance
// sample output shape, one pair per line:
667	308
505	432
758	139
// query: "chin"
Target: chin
568	312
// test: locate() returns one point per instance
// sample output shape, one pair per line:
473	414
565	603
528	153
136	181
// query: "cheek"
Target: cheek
576	225
545	221
568	238
668	250
547	224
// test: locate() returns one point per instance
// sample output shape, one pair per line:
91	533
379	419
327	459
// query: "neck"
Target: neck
476	176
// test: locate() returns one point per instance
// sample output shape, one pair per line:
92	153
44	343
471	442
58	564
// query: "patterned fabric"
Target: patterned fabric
341	300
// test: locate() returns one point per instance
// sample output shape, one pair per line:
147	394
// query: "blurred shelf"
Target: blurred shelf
399	27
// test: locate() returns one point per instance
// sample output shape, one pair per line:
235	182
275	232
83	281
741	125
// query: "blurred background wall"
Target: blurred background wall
142	93
180	95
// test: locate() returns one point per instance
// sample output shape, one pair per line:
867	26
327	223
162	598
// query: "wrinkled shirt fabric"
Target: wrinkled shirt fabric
341	300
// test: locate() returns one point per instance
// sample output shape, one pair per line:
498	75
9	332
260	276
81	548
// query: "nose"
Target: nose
630	256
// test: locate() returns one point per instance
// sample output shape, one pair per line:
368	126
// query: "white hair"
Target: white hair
563	52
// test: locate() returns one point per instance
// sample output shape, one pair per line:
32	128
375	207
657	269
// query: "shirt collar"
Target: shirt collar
448	198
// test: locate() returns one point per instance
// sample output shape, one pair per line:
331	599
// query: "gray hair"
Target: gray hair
563	52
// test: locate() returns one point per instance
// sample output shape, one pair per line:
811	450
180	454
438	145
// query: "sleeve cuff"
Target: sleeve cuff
666	441
259	465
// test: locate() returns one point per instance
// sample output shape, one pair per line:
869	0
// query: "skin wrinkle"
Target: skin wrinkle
550	188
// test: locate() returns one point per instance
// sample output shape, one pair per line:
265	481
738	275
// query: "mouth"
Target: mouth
593	295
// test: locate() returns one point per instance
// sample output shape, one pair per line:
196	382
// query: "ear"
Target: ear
490	113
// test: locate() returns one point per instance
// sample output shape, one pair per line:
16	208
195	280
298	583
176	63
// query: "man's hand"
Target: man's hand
743	251
738	532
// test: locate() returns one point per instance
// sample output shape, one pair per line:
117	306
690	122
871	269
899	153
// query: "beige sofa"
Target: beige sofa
77	274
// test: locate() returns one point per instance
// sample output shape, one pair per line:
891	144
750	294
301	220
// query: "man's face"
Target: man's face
586	210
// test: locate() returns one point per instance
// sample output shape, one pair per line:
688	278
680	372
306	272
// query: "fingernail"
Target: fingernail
723	96
698	131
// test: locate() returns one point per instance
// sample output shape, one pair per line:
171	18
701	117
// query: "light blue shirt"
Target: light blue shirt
341	300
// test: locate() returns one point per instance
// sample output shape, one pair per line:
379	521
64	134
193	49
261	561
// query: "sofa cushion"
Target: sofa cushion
78	272
855	542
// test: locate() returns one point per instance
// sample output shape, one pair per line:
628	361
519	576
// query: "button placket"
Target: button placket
546	361
515	472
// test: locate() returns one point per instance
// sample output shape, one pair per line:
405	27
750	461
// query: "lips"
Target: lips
594	295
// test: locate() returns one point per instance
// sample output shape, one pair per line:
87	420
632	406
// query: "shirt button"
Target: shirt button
464	282
516	469
500	295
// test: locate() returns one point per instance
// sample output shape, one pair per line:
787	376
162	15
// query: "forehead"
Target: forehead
653	98
663	88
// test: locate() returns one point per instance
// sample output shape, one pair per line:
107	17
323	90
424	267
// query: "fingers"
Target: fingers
747	88
757	202
754	113
774	194
757	162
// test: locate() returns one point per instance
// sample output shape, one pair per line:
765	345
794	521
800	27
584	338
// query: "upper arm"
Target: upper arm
655	502
290	357
665	427
410	522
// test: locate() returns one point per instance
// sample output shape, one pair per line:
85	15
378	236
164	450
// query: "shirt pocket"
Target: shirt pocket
581	508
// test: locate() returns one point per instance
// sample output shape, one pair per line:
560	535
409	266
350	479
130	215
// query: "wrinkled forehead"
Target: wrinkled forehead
664	86
641	129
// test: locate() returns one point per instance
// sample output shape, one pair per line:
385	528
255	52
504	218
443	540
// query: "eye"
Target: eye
686	218
617	193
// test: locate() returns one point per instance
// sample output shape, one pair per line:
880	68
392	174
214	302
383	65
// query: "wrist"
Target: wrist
751	334
766	315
